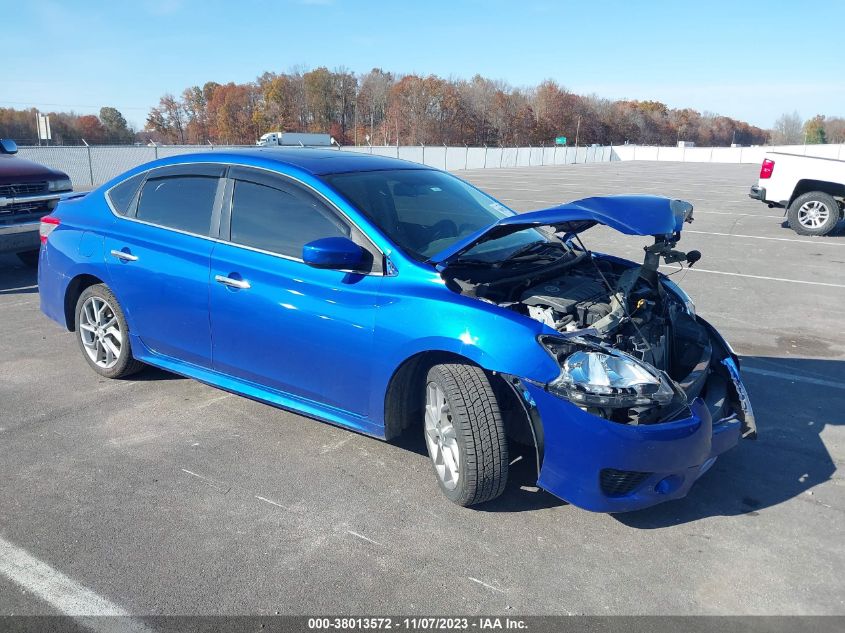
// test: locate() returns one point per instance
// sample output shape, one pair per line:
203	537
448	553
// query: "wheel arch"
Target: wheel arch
403	400
808	185
74	289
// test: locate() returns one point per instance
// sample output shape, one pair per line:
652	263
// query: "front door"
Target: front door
278	322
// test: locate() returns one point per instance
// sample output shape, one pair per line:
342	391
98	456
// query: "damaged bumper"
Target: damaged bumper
604	466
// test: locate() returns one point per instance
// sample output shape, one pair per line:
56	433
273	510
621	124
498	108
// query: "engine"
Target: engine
573	302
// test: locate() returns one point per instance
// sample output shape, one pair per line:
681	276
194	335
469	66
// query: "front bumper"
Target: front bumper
604	466
757	193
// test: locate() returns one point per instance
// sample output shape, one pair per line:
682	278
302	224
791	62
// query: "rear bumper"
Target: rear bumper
15	238
603	466
52	285
757	193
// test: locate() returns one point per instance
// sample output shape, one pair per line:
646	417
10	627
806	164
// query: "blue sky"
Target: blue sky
751	60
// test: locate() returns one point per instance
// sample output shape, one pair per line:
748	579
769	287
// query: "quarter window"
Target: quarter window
280	219
122	195
179	202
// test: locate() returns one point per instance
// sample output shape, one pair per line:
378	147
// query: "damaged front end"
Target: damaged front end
648	393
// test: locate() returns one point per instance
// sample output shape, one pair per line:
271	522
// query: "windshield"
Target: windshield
424	211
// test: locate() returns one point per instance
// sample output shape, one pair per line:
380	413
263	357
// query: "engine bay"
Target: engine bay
614	306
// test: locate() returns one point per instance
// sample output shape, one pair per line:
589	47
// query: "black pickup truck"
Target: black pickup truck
28	191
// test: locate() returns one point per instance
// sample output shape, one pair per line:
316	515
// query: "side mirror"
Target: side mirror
338	253
8	146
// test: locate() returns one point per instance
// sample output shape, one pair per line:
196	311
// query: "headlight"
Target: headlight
63	184
604	377
681	294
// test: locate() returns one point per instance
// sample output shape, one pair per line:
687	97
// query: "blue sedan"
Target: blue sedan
387	297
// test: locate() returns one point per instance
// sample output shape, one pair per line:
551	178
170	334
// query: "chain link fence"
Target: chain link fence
92	166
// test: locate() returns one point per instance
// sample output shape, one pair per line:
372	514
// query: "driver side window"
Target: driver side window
280	219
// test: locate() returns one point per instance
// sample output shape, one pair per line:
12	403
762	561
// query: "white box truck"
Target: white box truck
296	139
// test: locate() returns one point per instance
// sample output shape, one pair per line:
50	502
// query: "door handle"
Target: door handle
241	284
127	257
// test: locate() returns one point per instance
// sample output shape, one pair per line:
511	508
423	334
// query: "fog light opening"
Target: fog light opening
668	485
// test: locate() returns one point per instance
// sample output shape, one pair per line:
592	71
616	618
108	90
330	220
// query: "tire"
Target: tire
462	416
813	213
29	258
101	330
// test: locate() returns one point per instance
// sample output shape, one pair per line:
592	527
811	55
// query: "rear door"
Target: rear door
275	320
158	257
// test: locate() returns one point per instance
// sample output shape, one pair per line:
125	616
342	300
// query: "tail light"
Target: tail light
47	226
767	168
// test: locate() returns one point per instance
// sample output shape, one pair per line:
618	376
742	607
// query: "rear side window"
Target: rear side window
121	196
280	219
178	202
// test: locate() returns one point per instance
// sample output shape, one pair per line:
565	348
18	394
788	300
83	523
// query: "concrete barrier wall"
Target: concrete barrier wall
89	166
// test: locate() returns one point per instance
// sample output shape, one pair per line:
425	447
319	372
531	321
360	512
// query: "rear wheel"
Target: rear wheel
29	258
813	213
464	434
103	334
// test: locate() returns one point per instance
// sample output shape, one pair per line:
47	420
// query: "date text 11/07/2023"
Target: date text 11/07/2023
480	623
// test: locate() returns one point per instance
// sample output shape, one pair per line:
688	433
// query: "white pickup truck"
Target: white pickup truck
810	189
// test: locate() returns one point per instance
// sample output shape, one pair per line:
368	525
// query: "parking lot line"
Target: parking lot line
9	291
791	281
763	237
61	592
271	502
484	584
793	377
365	538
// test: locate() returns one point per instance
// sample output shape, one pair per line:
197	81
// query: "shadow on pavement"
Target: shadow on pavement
838	230
789	457
15	278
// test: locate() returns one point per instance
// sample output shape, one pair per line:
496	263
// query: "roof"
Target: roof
320	162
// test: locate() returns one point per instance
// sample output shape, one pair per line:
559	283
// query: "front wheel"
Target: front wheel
103	334
464	434
813	213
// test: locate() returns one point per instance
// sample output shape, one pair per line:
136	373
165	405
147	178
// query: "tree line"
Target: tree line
67	128
381	108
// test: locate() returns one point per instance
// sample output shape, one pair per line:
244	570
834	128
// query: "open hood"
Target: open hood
632	215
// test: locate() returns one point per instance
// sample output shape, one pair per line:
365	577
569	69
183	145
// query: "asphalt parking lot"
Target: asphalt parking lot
166	496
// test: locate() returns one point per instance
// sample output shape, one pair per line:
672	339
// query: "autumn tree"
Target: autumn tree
320	95
117	131
834	129
231	111
814	130
195	104
91	129
169	119
373	96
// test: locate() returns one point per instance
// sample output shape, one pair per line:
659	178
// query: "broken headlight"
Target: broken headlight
599	376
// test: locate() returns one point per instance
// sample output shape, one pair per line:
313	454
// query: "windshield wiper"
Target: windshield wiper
529	251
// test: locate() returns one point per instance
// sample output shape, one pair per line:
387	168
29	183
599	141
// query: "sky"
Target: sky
750	60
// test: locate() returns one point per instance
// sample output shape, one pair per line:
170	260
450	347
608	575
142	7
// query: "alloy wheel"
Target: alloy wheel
813	214
100	332
441	437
